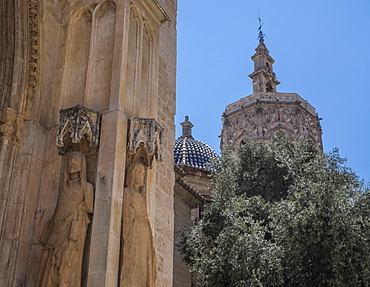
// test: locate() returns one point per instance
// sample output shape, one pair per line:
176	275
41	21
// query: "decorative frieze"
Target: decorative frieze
33	56
79	122
11	125
269	97
148	134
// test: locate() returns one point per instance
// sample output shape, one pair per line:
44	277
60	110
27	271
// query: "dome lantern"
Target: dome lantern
190	152
186	128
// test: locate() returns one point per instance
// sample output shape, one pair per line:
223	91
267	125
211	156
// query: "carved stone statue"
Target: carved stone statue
139	265
11	125
9	117
64	235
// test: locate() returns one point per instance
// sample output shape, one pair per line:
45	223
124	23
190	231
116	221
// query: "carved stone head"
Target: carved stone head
9	115
136	173
76	163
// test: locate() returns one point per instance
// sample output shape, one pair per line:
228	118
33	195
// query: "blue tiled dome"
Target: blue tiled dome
191	152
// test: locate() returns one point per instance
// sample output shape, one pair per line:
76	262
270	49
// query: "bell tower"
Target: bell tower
267	113
264	79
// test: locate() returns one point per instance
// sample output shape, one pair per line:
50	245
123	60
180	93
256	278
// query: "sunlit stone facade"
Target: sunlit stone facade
110	66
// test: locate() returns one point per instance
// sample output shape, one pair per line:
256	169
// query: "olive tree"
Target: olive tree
283	214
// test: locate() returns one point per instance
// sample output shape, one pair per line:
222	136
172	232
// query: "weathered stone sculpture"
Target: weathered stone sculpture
139	259
11	126
64	235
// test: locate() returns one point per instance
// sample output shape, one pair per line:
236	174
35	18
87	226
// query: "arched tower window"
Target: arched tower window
269	87
268	67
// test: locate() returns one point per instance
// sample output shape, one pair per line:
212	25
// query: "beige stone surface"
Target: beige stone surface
104	256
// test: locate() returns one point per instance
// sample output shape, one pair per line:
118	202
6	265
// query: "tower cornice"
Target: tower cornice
271	76
270	59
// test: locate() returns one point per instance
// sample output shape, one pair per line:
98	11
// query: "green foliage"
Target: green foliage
284	214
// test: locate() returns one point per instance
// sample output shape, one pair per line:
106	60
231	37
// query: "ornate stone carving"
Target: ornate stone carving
11	125
266	119
79	122
64	236
139	262
33	61
146	133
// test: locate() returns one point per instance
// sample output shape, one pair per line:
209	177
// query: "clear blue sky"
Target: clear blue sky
321	50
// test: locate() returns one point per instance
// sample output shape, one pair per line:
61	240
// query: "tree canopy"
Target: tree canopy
284	214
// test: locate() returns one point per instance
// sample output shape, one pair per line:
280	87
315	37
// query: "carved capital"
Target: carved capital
79	122
148	134
11	125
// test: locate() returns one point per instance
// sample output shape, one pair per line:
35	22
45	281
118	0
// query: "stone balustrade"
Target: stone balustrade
269	97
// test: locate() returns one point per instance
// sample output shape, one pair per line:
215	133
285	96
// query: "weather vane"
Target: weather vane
261	35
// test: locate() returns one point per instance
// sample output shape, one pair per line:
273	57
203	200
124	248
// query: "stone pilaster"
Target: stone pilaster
106	224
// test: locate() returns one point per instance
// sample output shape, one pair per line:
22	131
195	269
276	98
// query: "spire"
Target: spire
264	79
186	128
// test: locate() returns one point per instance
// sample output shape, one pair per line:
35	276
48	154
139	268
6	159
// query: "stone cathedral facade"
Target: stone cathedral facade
87	99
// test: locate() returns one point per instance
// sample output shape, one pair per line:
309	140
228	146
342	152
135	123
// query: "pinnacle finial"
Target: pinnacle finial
186	128
261	35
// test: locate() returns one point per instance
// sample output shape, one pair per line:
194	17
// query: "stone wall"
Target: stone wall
181	273
198	179
186	198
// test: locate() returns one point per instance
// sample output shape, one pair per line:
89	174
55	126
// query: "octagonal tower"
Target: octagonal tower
267	112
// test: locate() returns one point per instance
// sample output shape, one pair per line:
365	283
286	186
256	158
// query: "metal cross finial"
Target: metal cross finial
261	35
